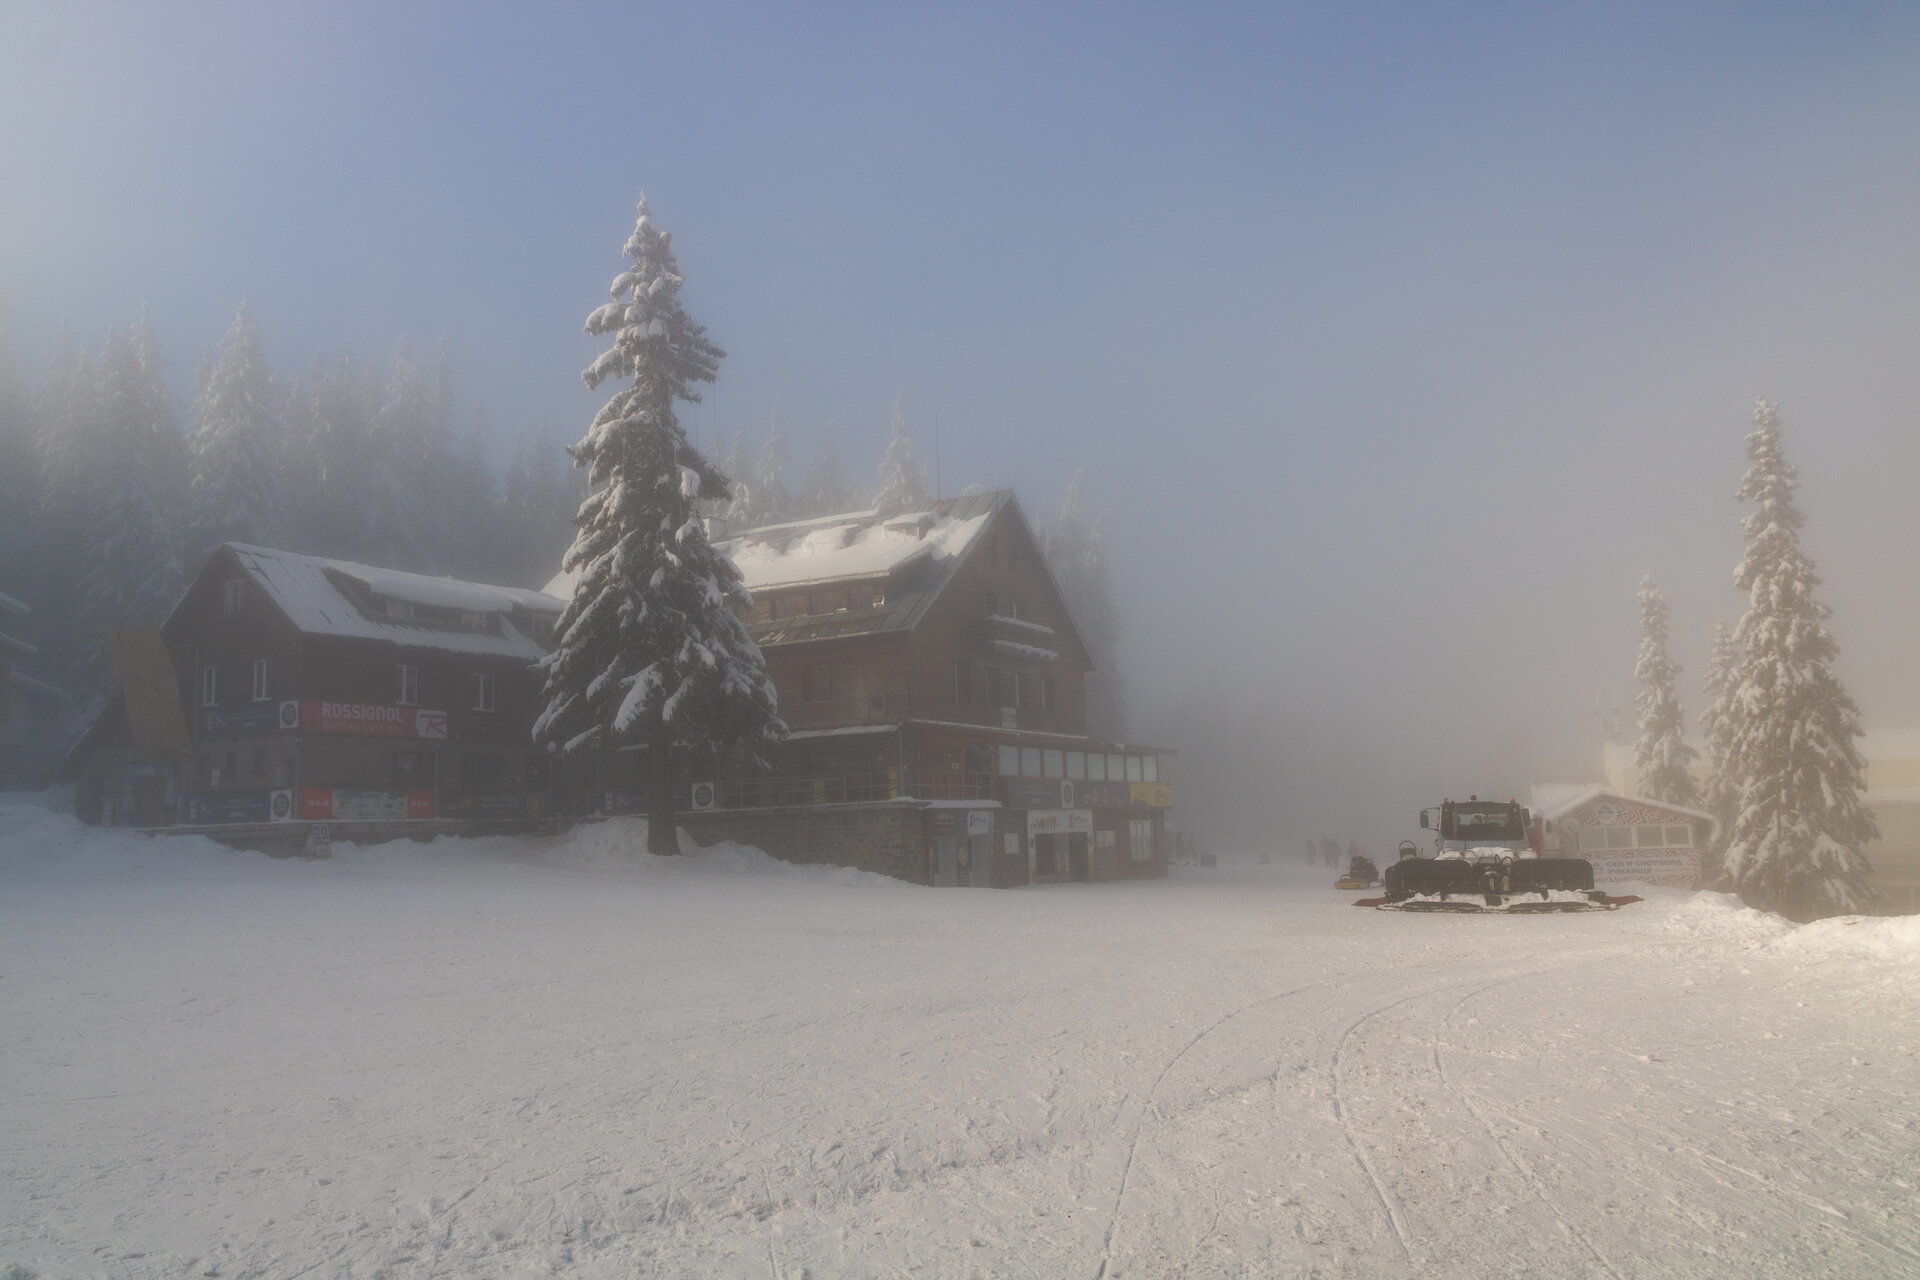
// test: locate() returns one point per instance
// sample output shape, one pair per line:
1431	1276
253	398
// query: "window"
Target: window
1150	768
483	691
1133	769
1592	839
1009	761
1076	764
399	610
262	679
1097	767
979	757
235	597
412	771
763	610
1054	763
210	685
1014	610
1619	837
1649	837
993	686
472	620
1140	839
1019	689
1680	836
409	685
1046	693
962	681
798	606
1030	761
1116	768
817	682
543	624
879	595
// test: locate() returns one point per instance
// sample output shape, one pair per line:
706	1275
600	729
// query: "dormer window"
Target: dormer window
399	610
235	596
471	620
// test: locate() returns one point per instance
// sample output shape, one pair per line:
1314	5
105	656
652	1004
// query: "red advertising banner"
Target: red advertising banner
334	804
368	718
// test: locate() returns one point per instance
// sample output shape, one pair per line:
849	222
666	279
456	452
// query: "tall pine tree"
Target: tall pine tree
239	453
649	649
1661	755
1719	797
770	501
823	489
903	481
1800	822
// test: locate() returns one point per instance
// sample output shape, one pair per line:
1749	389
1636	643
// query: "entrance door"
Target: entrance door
949	850
1077	855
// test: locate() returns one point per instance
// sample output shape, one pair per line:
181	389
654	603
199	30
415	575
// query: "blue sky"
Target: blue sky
1337	304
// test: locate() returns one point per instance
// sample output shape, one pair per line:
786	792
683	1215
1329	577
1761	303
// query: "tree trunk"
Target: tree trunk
662	835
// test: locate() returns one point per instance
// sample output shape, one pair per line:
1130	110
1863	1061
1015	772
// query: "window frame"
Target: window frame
408	674
263	679
210	684
485	691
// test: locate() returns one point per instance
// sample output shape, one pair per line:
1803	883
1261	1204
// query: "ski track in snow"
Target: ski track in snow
489	1057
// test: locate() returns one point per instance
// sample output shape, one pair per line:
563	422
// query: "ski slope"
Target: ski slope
514	1057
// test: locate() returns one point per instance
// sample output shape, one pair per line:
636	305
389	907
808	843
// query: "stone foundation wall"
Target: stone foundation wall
887	838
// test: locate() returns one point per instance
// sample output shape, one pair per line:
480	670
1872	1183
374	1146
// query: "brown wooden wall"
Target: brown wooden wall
1005	561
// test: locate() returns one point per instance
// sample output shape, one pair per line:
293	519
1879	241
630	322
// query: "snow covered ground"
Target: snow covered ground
511	1056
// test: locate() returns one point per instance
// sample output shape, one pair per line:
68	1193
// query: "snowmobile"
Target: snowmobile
1487	859
1361	874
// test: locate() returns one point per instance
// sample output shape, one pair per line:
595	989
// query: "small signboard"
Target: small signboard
221	808
319	843
980	822
369	718
1045	822
321	804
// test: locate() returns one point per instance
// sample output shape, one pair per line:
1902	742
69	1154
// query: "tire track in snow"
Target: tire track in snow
1519	1166
1389	1203
1146	1109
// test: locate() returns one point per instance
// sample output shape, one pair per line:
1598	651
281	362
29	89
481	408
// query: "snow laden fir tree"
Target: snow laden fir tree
1795	847
1661	754
1718	797
648	649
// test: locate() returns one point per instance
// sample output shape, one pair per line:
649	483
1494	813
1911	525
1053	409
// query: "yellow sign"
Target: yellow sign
1154	795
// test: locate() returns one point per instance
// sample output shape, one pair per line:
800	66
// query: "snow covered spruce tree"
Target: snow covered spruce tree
903	482
648	649
238	446
1661	754
1719	797
770	501
1800	823
823	488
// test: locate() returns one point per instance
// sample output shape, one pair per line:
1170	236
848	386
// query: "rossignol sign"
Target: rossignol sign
372	719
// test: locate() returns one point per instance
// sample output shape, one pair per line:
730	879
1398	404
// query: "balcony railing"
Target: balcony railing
854	788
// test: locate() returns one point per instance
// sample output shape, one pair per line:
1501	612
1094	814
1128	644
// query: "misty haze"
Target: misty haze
688	641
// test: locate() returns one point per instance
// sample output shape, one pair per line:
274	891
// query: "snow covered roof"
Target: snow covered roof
853	545
307	589
1554	808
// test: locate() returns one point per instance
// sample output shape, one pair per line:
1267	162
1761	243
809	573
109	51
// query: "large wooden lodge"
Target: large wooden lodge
927	667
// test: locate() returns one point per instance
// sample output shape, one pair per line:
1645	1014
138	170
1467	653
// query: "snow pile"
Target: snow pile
1894	939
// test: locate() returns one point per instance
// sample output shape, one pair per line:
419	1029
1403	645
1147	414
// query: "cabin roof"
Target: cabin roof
309	591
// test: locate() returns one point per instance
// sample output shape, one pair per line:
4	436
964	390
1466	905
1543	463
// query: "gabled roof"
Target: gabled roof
914	553
308	590
1555	806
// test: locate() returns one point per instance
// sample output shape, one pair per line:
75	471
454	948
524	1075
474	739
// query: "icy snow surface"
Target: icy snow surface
505	1057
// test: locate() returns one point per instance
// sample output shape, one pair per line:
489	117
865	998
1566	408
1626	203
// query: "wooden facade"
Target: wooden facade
388	710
